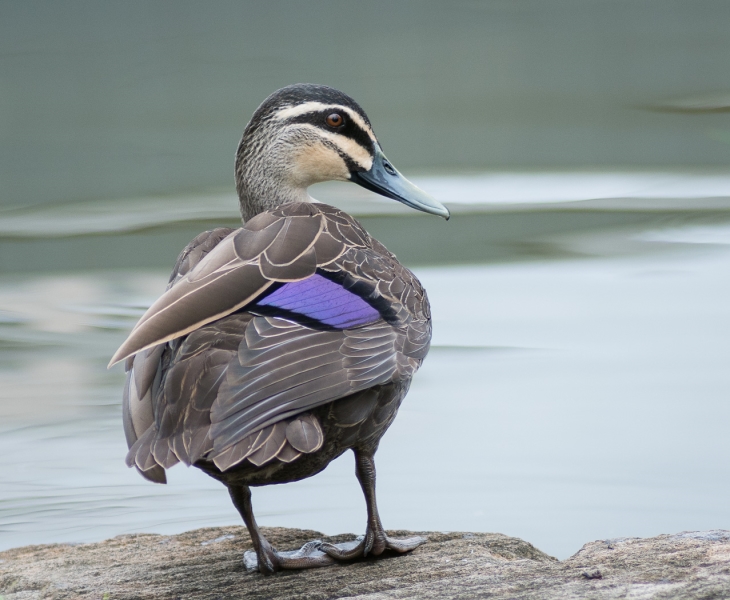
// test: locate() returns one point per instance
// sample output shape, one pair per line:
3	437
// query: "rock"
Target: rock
207	563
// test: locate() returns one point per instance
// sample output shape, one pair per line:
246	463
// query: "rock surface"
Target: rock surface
206	563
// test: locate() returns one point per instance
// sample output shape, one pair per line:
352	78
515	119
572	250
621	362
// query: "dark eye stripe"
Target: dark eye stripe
350	129
351	164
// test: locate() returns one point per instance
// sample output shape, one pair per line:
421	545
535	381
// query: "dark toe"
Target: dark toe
370	545
308	556
405	545
345	550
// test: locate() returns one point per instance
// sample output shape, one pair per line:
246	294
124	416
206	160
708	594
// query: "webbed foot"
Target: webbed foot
269	561
371	543
321	554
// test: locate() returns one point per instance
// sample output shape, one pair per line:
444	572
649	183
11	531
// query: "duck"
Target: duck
280	345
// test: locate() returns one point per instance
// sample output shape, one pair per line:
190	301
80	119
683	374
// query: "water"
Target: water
578	384
576	389
104	101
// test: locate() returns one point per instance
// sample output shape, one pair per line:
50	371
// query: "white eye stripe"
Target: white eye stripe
307	107
350	148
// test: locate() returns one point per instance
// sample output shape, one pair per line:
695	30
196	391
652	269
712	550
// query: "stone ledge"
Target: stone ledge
207	564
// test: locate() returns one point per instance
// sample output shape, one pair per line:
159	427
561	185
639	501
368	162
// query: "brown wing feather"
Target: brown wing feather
303	369
276	246
196	250
145	369
193	370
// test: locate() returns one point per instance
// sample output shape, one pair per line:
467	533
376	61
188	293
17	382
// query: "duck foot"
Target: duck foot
322	554
266	560
308	556
370	545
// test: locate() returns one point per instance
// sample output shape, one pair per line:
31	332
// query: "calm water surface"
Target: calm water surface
578	384
577	388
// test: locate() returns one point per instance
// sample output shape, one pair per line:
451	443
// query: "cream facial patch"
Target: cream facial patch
350	148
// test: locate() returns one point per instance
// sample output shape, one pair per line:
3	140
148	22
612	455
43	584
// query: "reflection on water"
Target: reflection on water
465	194
495	217
576	390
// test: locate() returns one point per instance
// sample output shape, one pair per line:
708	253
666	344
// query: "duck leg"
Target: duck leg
375	541
265	558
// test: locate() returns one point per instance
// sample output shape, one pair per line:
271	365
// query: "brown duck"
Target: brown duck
280	345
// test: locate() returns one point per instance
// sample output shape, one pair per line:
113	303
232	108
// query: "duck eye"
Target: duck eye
335	120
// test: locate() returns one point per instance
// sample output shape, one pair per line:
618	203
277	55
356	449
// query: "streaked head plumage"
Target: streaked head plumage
316	115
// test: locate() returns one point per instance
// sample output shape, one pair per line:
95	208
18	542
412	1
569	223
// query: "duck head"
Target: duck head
305	134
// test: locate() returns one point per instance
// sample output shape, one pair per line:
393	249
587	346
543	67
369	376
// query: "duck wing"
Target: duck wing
284	368
331	314
144	369
284	245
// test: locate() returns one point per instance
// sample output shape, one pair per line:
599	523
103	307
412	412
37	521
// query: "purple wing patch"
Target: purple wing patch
322	300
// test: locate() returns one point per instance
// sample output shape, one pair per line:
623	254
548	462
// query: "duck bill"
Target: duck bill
384	179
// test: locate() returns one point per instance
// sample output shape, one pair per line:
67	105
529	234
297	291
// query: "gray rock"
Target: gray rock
207	563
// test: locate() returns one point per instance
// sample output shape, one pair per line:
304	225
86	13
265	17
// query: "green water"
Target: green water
108	100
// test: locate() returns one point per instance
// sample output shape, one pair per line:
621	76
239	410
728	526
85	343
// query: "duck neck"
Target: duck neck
258	195
264	180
